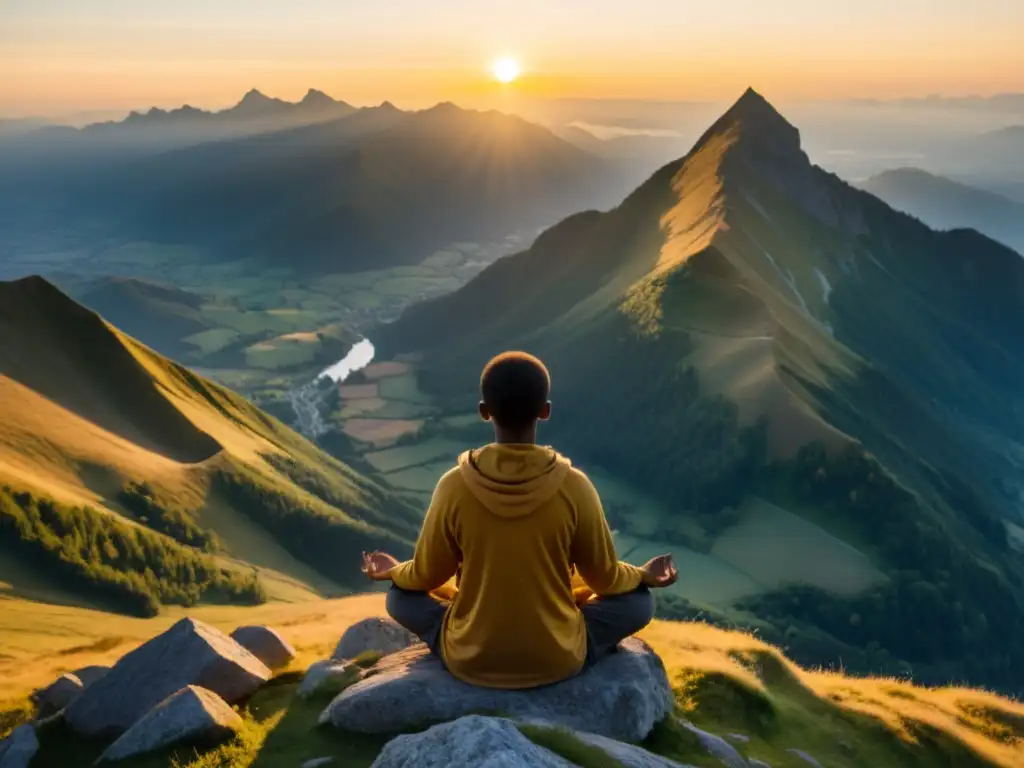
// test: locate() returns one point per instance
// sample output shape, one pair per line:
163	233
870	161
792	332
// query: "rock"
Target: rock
739	738
58	694
805	757
758	764
18	749
469	742
627	755
717	747
189	653
621	697
193	715
266	645
317	762
89	675
374	634
322	672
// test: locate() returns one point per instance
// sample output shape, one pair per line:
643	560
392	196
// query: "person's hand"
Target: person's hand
378	565
660	571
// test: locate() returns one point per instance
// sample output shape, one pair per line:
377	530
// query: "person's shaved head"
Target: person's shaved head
514	388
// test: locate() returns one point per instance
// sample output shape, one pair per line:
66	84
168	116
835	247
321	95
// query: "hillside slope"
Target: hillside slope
725	682
749	328
109	449
946	204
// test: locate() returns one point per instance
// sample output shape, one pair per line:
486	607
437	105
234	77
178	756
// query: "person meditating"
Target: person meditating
540	594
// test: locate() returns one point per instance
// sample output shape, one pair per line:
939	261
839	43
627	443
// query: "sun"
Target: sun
506	70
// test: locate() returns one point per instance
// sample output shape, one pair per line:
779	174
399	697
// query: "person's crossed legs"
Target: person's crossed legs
609	620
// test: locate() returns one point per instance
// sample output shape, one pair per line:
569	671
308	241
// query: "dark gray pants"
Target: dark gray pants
609	620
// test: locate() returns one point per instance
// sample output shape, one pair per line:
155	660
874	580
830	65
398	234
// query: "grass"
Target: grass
724	682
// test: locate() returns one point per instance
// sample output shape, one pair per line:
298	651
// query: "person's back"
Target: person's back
514	520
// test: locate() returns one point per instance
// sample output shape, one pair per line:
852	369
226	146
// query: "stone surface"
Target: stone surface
318	762
193	715
322	672
739	738
189	653
58	694
89	675
374	634
20	746
627	755
805	757
266	645
469	742
622	697
717	747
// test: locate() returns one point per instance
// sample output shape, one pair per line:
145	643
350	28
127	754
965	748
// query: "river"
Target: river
306	400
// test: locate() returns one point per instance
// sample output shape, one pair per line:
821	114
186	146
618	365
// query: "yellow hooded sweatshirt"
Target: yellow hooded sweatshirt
514	521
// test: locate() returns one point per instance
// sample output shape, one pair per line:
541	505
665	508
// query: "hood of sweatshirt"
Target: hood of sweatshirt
512	480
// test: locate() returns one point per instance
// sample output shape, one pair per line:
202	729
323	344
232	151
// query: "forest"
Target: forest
108	560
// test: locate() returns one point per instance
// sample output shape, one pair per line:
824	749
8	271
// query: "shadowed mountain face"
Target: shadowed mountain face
946	204
376	188
746	324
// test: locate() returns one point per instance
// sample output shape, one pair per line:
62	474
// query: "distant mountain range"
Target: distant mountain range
127	481
255	113
747	329
946	204
373	188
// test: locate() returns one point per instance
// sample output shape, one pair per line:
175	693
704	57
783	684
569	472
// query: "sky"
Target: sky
70	56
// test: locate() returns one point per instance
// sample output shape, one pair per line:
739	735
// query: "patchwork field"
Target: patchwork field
381	433
423	452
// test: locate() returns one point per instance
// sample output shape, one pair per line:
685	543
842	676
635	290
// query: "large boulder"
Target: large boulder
626	755
189	653
89	675
58	694
193	715
18	749
620	697
469	742
266	645
375	634
717	747
322	673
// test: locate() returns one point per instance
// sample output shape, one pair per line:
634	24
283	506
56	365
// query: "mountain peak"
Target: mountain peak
758	130
317	98
254	96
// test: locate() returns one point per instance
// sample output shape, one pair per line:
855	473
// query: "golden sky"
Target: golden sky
63	56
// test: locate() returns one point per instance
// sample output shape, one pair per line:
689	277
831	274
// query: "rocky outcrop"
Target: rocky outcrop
469	742
627	755
18	749
621	697
321	674
58	694
191	716
189	653
375	634
805	757
266	645
717	747
89	675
